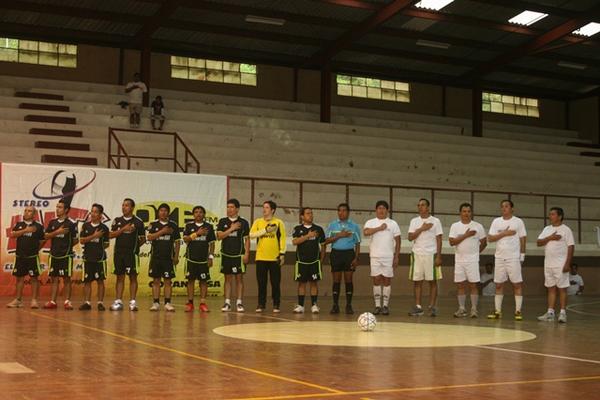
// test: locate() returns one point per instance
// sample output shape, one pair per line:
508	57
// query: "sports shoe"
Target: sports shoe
276	310
299	309
50	306
518	316
460	313
117	305
474	314
335	309
432	311
259	309
34	304
67	305
385	310
189	307
495	315
562	318
416	312
239	307
133	305
548	317
226	307
377	311
85	306
155	307
349	309
16	303
169	307
101	307
315	309
203	307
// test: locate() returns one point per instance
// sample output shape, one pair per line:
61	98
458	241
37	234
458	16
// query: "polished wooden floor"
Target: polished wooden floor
144	355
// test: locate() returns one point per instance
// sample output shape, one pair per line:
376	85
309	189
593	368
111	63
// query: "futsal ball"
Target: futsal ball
366	322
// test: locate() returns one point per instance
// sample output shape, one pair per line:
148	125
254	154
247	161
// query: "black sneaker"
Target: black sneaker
335	309
85	307
349	309
385	310
377	311
101	307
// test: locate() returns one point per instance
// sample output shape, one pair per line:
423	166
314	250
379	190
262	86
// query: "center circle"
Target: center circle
386	334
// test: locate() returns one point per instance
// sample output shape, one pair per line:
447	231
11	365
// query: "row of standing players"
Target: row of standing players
425	232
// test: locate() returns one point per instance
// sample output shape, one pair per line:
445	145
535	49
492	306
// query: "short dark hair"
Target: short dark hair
344	205
465	205
235	202
271	204
574	265
199	208
512	205
559	211
382	203
99	207
131	202
425	200
66	206
304	209
166	206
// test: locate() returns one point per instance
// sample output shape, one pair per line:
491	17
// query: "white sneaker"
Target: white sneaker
239	307
548	317
226	307
133	305
155	307
460	313
315	309
299	309
117	305
169	307
562	318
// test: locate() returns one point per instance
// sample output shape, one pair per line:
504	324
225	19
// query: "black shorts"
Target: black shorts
232	265
161	268
27	266
341	260
60	266
126	263
307	272
94	271
197	270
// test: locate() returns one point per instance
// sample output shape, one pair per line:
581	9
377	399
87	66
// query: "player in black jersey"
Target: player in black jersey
95	240
309	240
165	237
200	238
233	231
30	238
62	233
130	234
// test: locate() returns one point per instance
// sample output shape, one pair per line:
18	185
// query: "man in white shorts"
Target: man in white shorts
384	252
469	239
510	236
425	231
559	246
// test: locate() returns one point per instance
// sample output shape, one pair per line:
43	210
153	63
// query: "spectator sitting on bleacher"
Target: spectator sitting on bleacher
157	113
488	287
576	282
136	90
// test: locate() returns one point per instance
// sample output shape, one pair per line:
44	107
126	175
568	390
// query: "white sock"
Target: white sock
518	303
551	311
228	301
498	301
474	301
563	311
461	301
377	295
238	301
387	291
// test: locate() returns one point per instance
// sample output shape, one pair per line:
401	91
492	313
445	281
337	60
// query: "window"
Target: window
42	53
200	69
500	103
372	88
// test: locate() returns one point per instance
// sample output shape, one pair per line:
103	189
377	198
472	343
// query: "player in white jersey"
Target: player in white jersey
510	236
469	239
559	246
384	252
425	231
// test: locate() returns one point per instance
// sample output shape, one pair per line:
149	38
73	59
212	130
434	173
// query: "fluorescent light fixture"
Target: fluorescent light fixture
265	20
566	64
435	45
433	4
588	30
527	18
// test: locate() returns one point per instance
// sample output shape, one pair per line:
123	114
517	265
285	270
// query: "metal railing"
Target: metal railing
114	159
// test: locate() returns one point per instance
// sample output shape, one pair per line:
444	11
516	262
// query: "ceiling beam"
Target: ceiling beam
152	24
75	12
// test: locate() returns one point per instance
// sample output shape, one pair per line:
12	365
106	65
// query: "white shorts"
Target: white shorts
382	266
422	268
507	270
466	271
556	277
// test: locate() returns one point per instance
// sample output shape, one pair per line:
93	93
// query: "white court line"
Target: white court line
14	368
570	308
585	360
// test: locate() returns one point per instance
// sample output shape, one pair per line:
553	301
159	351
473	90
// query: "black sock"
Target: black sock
190	301
336	292
156	300
349	292
167	300
313	299
301	300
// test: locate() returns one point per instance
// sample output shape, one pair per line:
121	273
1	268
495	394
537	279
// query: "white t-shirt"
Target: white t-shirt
509	247
383	243
137	94
426	243
490	288
576	282
468	249
555	251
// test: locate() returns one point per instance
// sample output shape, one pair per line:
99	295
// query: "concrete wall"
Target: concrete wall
583	115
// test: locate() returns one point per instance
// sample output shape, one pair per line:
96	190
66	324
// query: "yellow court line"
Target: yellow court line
425	388
190	355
